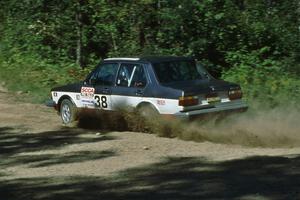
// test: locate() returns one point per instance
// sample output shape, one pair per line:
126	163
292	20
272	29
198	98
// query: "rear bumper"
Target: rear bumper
236	106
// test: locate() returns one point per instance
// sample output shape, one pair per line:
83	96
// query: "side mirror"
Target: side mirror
92	81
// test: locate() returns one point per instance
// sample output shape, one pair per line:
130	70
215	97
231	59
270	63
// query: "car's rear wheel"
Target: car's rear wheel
148	111
68	112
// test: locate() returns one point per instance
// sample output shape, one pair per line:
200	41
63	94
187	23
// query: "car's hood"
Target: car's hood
74	87
196	87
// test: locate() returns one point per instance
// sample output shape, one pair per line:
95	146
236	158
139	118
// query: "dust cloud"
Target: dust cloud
265	128
279	127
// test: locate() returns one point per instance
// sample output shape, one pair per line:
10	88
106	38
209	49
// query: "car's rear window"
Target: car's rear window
175	71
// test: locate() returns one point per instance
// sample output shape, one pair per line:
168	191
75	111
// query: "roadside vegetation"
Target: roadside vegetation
34	76
254	43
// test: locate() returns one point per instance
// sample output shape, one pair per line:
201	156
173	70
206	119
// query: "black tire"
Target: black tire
148	111
68	112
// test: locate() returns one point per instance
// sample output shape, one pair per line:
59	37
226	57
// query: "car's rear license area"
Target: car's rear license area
211	102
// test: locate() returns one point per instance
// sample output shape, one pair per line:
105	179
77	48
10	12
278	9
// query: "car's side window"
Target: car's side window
104	74
131	75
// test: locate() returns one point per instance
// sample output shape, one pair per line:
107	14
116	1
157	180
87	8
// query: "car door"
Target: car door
130	85
97	92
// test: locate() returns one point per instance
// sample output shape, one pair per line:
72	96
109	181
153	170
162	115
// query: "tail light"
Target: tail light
188	101
235	94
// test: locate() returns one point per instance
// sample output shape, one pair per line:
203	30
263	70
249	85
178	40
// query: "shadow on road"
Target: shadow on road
182	178
44	160
173	178
13	141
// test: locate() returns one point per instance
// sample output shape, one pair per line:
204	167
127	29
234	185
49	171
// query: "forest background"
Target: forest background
256	43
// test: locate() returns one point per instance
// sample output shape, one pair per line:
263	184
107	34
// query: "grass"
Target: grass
35	77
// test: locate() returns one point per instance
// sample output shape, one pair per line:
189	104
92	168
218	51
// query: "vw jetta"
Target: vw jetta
174	86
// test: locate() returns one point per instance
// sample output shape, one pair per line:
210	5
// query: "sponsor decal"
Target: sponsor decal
55	94
87	101
161	102
87	92
77	97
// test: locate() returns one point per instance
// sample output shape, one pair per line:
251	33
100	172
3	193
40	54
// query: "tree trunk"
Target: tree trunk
113	39
79	38
142	38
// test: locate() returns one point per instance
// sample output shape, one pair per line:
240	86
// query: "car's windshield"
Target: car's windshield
174	71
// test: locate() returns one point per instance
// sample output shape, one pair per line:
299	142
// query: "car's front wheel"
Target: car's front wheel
68	112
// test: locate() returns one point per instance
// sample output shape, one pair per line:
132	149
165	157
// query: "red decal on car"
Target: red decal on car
161	102
87	92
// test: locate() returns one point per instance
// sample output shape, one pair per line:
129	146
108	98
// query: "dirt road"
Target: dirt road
40	159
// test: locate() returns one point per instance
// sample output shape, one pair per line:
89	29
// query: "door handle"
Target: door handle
106	90
139	92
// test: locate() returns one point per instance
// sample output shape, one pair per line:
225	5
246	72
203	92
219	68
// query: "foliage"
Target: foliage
245	40
263	80
35	77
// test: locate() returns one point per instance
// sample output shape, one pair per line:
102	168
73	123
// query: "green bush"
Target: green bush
263	80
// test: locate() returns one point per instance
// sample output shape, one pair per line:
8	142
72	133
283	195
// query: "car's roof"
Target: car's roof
151	59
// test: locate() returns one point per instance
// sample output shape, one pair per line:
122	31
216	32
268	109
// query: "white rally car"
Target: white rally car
174	86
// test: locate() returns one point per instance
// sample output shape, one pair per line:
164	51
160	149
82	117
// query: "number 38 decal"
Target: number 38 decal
100	101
